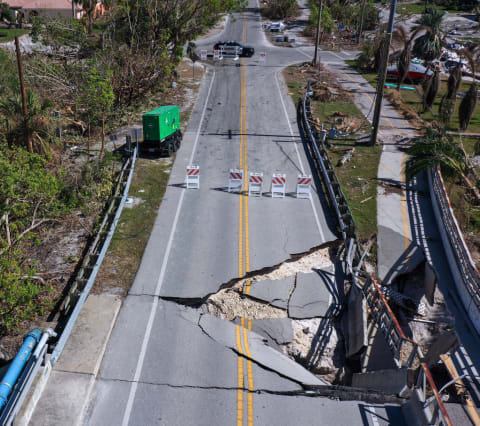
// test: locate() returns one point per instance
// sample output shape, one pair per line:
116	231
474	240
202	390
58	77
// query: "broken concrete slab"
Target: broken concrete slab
274	292
315	295
259	352
277	331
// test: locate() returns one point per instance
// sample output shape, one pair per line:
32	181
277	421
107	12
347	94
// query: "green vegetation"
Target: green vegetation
33	196
342	12
100	71
280	9
413	99
445	6
358	177
7	35
148	186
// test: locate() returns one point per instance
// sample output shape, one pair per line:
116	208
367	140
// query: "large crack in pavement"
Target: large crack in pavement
339	393
295	347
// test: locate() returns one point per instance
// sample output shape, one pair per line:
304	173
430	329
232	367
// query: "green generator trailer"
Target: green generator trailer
161	130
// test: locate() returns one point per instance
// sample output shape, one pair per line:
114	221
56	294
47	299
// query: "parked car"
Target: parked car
416	73
276	27
244	51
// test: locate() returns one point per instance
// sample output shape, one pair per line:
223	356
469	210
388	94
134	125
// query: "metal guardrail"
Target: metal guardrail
465	263
76	296
406	352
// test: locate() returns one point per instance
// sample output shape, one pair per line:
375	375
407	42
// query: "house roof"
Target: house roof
42	4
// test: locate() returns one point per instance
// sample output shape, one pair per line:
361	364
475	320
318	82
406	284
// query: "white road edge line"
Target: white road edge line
153	311
299	158
374	416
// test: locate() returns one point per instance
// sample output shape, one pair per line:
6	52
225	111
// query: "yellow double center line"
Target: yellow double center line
244	261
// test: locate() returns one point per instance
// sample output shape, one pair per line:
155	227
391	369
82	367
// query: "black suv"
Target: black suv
246	51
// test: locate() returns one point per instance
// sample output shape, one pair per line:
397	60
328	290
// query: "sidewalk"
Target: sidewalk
394	233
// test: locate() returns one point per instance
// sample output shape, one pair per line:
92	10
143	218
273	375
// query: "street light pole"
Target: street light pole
317	36
382	74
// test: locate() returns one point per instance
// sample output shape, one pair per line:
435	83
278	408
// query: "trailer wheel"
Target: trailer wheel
170	148
177	142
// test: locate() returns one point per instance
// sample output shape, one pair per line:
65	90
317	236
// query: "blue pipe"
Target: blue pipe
16	367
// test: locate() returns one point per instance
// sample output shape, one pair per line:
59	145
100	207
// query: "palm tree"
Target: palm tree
469	101
429	45
430	89
401	36
447	104
38	123
437	149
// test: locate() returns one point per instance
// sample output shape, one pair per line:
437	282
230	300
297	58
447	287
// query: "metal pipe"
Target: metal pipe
16	367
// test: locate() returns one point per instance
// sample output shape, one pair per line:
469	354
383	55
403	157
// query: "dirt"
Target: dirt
62	243
318	342
406	111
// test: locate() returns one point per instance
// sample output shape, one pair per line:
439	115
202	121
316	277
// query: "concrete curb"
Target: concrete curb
61	395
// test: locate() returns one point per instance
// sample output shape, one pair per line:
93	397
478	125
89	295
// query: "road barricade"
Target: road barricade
235	180
203	54
216	54
255	184
193	177
279	182
304	185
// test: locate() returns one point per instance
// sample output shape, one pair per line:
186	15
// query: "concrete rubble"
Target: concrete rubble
294	308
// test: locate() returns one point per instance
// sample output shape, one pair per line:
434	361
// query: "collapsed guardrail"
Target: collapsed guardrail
465	273
75	297
378	305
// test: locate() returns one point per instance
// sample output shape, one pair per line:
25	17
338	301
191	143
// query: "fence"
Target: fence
76	295
466	275
405	351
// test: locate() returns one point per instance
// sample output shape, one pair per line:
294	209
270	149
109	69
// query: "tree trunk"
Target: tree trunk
471	186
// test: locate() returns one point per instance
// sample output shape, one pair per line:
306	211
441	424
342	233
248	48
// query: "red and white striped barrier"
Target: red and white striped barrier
193	177
203	54
255	184
216	54
304	184
235	180
279	182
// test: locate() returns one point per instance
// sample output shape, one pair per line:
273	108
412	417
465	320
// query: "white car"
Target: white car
276	27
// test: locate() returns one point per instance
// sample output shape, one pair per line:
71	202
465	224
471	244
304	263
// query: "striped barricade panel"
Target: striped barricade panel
235	180
304	185
255	184
279	182
193	177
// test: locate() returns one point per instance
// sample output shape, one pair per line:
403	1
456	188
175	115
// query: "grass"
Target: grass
7	35
419	7
414	101
466	212
358	177
148	186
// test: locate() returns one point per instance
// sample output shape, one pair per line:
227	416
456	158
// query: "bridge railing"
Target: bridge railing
466	275
75	297
406	352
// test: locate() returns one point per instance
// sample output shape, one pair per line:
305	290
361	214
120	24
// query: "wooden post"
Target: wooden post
28	141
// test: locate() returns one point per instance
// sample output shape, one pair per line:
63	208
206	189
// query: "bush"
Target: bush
280	9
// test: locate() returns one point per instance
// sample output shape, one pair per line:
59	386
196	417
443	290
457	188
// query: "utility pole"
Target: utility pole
73	9
382	74
28	142
361	22
317	36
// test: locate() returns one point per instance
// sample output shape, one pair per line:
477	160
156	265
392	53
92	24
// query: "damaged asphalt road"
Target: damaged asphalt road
178	354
